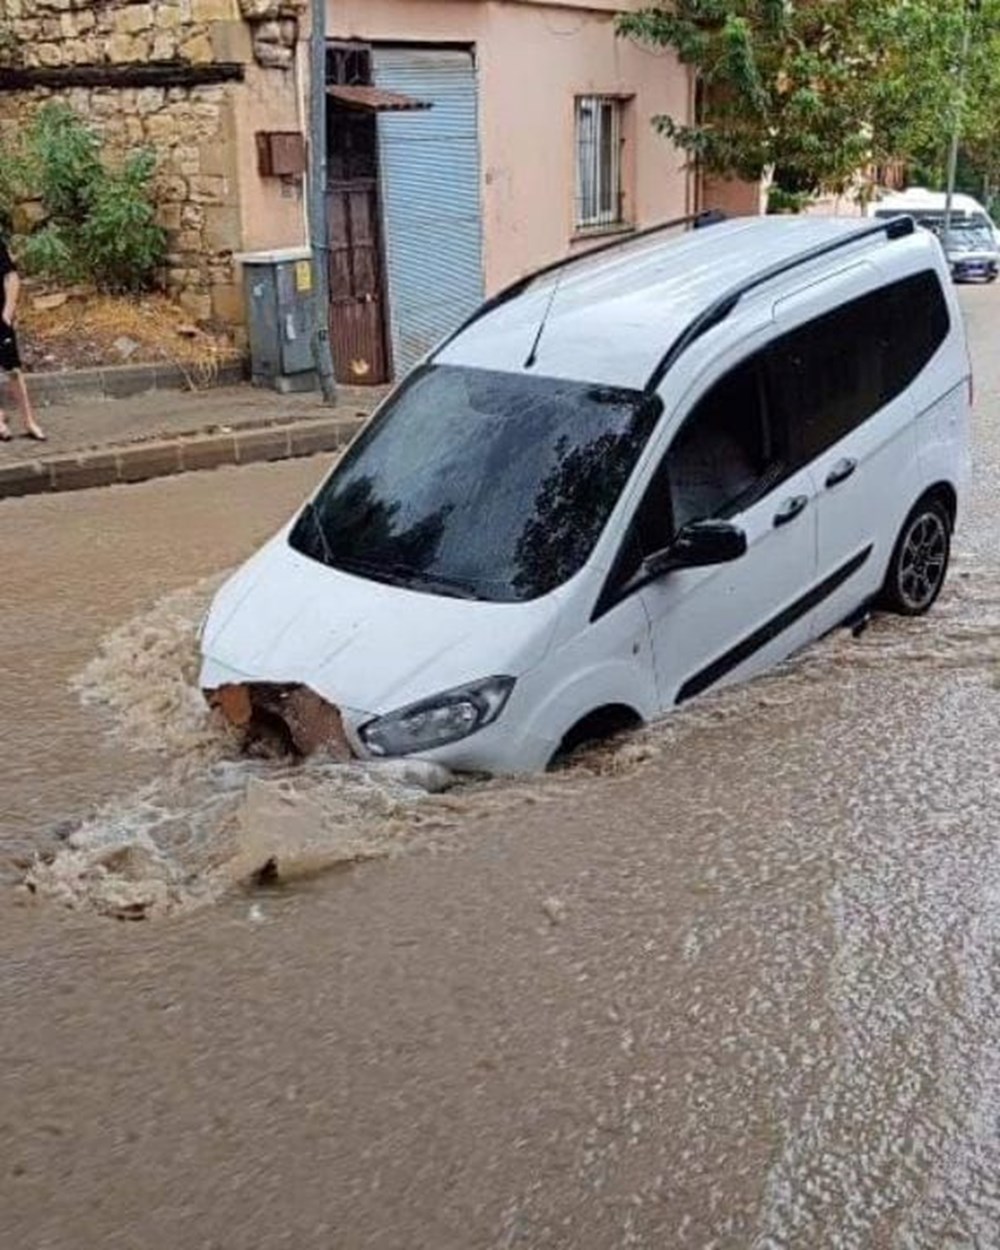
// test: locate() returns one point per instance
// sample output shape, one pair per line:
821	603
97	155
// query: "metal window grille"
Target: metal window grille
598	161
348	64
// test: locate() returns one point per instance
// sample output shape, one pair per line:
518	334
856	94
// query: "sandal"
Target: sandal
37	434
5	434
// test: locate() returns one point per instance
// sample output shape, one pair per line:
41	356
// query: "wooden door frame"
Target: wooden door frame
356	45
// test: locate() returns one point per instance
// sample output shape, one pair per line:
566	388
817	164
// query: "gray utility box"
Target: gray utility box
280	318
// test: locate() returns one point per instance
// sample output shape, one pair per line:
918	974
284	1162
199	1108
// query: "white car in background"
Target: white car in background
636	476
973	242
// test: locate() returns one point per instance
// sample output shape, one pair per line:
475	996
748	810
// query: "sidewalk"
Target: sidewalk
100	441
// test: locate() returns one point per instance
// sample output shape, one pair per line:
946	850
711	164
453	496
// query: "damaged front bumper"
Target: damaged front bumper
283	719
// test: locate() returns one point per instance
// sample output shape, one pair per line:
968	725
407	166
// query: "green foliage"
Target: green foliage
11	182
52	252
820	90
780	200
98	223
781	83
120	239
64	164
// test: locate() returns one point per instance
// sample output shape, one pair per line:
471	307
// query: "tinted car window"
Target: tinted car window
725	454
721	451
833	373
494	485
920	321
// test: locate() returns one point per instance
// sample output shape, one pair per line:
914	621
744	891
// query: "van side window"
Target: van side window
717	461
920	324
833	373
725	455
722	451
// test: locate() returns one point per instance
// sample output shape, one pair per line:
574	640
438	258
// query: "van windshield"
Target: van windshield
479	484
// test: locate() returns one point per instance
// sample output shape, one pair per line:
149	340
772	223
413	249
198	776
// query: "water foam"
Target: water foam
212	819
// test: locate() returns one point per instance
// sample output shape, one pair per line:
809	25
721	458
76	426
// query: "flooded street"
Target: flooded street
732	983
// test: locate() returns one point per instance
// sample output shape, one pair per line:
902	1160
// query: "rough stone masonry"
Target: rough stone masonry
189	127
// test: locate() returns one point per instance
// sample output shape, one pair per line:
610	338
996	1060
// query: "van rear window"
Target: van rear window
481	484
833	373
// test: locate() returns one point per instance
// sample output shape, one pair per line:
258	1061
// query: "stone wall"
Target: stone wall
192	129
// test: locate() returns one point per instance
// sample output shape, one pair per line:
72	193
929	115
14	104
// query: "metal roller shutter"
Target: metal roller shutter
429	169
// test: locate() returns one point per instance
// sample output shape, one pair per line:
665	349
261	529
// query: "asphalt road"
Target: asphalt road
731	985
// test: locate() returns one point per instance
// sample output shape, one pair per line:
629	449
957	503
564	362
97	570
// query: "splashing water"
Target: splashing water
213	819
145	674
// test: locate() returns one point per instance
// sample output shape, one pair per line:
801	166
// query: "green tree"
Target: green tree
916	99
820	89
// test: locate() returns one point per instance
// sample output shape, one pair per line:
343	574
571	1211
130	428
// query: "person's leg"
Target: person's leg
5	434
20	389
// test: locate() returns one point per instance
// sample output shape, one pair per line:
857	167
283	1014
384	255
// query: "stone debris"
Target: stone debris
45	303
281	719
555	909
126	347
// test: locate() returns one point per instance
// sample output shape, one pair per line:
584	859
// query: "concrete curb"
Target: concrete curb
139	462
122	381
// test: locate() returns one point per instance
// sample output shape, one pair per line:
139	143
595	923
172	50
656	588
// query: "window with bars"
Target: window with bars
599	140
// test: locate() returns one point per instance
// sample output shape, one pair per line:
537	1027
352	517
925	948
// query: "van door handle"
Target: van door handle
790	509
841	471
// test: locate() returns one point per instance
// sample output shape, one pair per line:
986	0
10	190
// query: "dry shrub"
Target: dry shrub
84	331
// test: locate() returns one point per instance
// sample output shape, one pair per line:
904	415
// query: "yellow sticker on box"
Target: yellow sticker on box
303	275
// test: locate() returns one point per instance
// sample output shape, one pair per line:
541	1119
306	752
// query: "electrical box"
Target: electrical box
280	318
280	153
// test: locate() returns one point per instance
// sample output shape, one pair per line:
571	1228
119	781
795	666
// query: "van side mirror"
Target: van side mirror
698	544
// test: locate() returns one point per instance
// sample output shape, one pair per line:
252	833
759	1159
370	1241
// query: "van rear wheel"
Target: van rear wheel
919	560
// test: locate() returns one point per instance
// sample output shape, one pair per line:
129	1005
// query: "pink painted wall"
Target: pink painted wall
735	198
835	206
272	211
533	59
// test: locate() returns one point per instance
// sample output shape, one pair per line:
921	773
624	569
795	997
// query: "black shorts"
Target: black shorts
10	357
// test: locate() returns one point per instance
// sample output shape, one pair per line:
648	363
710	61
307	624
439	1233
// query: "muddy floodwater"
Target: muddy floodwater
731	983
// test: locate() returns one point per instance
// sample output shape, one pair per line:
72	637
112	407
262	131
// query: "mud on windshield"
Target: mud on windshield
479	484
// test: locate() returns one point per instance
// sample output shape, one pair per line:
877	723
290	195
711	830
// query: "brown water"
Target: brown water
732	983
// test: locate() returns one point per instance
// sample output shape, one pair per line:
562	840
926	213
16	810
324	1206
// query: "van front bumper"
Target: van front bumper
290	718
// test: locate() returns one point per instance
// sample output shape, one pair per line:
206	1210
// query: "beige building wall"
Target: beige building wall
533	60
734	197
273	210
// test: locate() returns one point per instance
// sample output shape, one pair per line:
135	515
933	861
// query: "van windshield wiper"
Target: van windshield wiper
406	576
457	587
403	575
311	511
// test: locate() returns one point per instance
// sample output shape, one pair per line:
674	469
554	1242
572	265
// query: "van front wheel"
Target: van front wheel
919	560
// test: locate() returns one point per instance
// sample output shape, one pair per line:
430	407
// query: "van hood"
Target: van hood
362	645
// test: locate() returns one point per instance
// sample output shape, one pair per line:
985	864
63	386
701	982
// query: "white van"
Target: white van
637	476
971	247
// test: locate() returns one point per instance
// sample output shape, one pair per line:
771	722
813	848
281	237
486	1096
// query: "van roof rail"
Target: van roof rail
697	221
719	309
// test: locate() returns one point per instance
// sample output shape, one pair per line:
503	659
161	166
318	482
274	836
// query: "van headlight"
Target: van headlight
436	721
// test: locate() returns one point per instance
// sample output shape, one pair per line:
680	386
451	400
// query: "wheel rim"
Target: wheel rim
922	560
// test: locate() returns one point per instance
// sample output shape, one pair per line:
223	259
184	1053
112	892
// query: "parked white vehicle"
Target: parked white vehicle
918	201
635	477
971	247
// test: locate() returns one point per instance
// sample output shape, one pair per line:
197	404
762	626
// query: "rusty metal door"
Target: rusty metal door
357	312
